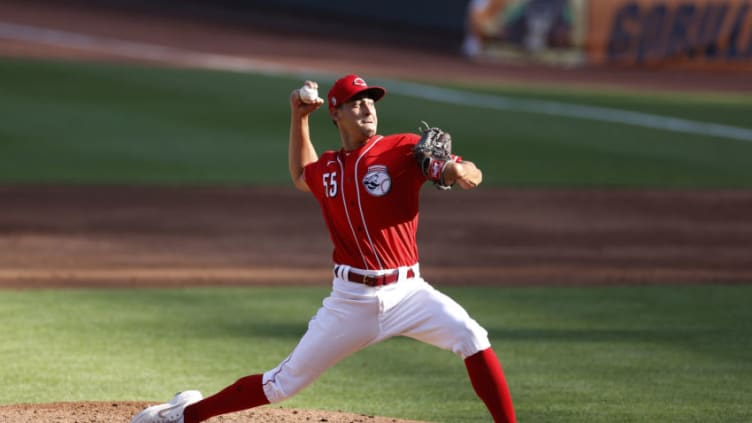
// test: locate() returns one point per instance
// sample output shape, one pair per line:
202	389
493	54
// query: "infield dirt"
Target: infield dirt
136	236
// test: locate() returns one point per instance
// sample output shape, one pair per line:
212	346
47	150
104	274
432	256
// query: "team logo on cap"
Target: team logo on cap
359	82
377	181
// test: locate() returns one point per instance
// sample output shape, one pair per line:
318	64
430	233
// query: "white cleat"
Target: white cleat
169	412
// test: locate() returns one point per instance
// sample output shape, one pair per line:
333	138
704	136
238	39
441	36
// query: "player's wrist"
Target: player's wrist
444	173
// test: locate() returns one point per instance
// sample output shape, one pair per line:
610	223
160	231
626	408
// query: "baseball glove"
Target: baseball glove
433	152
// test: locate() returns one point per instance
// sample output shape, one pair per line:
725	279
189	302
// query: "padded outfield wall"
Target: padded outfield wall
705	34
676	33
436	24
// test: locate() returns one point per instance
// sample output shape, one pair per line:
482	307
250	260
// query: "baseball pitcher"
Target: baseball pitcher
368	192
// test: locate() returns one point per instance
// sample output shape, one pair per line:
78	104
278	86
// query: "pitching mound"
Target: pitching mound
65	412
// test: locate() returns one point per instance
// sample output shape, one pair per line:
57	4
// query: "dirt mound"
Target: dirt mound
86	412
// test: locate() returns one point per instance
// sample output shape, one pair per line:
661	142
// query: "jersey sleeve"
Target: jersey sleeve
310	172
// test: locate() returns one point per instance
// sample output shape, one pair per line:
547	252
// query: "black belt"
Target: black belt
379	280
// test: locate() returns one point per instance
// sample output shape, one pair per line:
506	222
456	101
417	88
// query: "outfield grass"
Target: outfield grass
610	354
85	123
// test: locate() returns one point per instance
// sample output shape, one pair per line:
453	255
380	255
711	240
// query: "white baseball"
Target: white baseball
308	94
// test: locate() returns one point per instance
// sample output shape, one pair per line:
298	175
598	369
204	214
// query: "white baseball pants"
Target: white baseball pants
355	316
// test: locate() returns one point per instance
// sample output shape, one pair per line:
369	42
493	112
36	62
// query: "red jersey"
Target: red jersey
369	198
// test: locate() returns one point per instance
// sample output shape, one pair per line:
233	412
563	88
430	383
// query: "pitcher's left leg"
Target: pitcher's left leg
341	327
245	393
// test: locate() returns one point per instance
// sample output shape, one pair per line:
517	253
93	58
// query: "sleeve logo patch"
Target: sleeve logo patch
377	181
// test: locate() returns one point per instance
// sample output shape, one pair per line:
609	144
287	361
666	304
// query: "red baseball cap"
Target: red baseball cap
348	87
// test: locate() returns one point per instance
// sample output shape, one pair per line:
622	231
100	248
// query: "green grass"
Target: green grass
87	123
607	354
724	108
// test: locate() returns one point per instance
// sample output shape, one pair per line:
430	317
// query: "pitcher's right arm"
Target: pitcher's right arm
301	150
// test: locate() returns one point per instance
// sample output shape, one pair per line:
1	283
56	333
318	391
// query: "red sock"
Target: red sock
489	383
247	392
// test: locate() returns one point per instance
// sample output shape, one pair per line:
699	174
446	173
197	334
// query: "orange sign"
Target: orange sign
710	34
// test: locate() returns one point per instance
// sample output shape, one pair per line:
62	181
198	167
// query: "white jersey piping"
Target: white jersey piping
347	212
360	206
